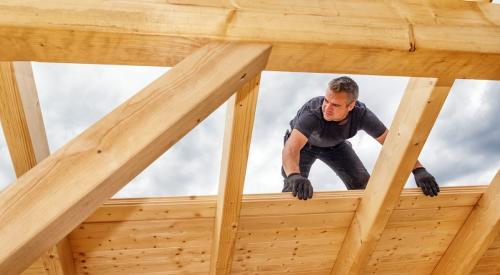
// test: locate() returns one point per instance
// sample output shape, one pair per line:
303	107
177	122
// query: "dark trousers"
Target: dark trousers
340	158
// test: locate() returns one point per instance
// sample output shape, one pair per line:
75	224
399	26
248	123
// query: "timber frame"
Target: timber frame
56	217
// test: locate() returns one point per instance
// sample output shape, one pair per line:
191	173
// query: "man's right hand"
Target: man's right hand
301	186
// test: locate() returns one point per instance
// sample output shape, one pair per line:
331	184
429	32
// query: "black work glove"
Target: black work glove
426	182
301	186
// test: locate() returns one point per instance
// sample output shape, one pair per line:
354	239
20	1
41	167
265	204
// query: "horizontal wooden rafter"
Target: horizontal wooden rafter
450	39
51	199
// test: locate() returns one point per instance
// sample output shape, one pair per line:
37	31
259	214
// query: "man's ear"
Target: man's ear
351	105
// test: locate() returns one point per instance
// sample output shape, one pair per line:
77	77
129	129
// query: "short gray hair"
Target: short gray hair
344	84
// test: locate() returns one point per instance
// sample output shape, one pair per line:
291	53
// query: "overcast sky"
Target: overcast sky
463	148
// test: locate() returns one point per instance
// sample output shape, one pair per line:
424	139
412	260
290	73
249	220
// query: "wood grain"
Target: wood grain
65	188
452	39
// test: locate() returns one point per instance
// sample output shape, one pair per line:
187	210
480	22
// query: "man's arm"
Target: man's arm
301	186
423	179
291	152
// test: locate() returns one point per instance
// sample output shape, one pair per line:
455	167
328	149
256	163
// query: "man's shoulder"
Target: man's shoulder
360	105
312	107
359	111
309	115
314	103
360	108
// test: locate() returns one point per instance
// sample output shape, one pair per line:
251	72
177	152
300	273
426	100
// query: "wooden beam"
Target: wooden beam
476	235
58	260
47	202
21	116
409	38
237	137
24	131
412	123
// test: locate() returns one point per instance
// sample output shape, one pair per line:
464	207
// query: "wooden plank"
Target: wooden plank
237	137
295	221
141	209
24	130
360	37
476	235
417	233
21	116
295	234
488	264
293	6
416	237
412	123
36	268
58	260
153	211
65	188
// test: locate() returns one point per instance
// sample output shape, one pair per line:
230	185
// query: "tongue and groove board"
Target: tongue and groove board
277	234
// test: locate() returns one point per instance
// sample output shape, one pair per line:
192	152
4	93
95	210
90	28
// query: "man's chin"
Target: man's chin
328	118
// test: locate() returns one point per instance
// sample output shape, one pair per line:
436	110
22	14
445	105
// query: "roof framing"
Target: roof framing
51	199
412	123
21	117
24	131
445	39
238	134
272	227
476	235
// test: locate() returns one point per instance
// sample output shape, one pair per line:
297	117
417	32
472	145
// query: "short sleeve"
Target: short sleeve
307	123
372	125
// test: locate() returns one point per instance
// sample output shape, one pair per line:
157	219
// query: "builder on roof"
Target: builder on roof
320	131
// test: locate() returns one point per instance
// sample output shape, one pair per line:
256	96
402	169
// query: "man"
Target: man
320	131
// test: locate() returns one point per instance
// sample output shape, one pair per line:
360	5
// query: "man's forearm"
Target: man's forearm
291	162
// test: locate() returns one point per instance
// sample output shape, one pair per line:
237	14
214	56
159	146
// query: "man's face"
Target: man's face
336	106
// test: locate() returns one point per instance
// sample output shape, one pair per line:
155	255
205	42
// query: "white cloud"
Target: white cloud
7	174
462	149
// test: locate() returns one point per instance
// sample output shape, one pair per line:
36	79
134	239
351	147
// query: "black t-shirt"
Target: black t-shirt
319	132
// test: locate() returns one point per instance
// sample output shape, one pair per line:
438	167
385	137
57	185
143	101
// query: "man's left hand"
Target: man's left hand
426	182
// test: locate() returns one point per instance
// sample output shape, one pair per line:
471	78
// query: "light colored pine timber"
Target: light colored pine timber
238	134
21	116
294	233
292	221
274	204
24	131
138	209
58	260
425	226
409	240
36	268
476	235
412	123
153	211
181	258
65	188
409	38
490	259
